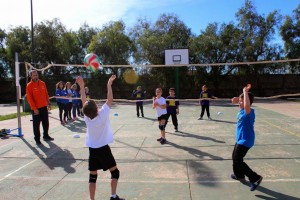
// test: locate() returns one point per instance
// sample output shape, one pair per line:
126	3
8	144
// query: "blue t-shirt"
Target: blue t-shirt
75	94
205	94
245	128
172	105
63	93
138	95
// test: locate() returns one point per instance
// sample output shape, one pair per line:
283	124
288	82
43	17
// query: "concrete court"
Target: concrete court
195	164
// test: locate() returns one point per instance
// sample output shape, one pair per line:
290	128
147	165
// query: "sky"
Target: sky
196	14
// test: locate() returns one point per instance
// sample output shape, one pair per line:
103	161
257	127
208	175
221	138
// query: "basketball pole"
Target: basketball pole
177	82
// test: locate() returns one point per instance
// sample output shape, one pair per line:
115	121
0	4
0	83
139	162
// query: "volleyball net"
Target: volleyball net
269	80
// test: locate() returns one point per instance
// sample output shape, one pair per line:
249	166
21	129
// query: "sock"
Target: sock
114	195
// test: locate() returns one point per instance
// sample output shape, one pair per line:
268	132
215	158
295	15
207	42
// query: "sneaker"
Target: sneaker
209	118
62	123
159	139
176	129
117	198
200	118
242	180
254	185
163	141
48	138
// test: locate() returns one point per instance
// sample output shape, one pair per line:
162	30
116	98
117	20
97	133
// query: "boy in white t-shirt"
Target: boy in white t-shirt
99	135
159	103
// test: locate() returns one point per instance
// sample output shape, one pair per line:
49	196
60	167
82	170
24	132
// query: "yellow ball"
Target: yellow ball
130	76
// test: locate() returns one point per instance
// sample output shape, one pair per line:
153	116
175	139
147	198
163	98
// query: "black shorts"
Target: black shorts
101	158
162	117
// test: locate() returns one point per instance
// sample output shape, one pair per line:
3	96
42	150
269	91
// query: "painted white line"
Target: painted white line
8	175
150	181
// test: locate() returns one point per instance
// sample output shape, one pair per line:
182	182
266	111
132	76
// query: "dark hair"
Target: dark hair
90	109
172	89
251	97
60	82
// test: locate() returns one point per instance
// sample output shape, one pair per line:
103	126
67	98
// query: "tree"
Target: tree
290	33
257	33
217	44
113	47
4	69
18	40
55	44
168	32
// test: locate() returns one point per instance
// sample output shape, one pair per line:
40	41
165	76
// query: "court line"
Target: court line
8	175
285	130
185	181
48	156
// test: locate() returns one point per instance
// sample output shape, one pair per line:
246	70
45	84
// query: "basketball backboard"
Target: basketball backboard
176	56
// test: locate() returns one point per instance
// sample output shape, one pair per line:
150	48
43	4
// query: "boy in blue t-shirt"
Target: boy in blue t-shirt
205	95
172	108
245	138
139	95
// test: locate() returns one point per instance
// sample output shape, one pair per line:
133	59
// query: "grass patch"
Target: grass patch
13	116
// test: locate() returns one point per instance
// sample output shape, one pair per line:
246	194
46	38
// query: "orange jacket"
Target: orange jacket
37	94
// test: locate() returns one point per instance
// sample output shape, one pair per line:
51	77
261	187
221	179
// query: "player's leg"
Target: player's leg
238	165
115	174
162	124
92	184
142	109
65	112
202	111
60	112
175	121
167	118
137	110
207	111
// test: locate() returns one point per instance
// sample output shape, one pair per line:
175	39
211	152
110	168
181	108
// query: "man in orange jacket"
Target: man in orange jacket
38	99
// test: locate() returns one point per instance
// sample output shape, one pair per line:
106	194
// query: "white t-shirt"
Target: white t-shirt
160	111
99	131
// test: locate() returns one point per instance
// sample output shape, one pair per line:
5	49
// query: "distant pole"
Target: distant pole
32	36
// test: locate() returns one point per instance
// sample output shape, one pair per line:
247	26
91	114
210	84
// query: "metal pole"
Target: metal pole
177	80
18	88
32	36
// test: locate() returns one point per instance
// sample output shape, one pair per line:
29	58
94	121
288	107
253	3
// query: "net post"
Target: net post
18	94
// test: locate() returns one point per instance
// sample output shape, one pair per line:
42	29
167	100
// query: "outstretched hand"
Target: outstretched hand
111	79
247	88
80	81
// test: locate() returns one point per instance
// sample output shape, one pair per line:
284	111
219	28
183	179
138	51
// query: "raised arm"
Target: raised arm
109	90
80	82
247	105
